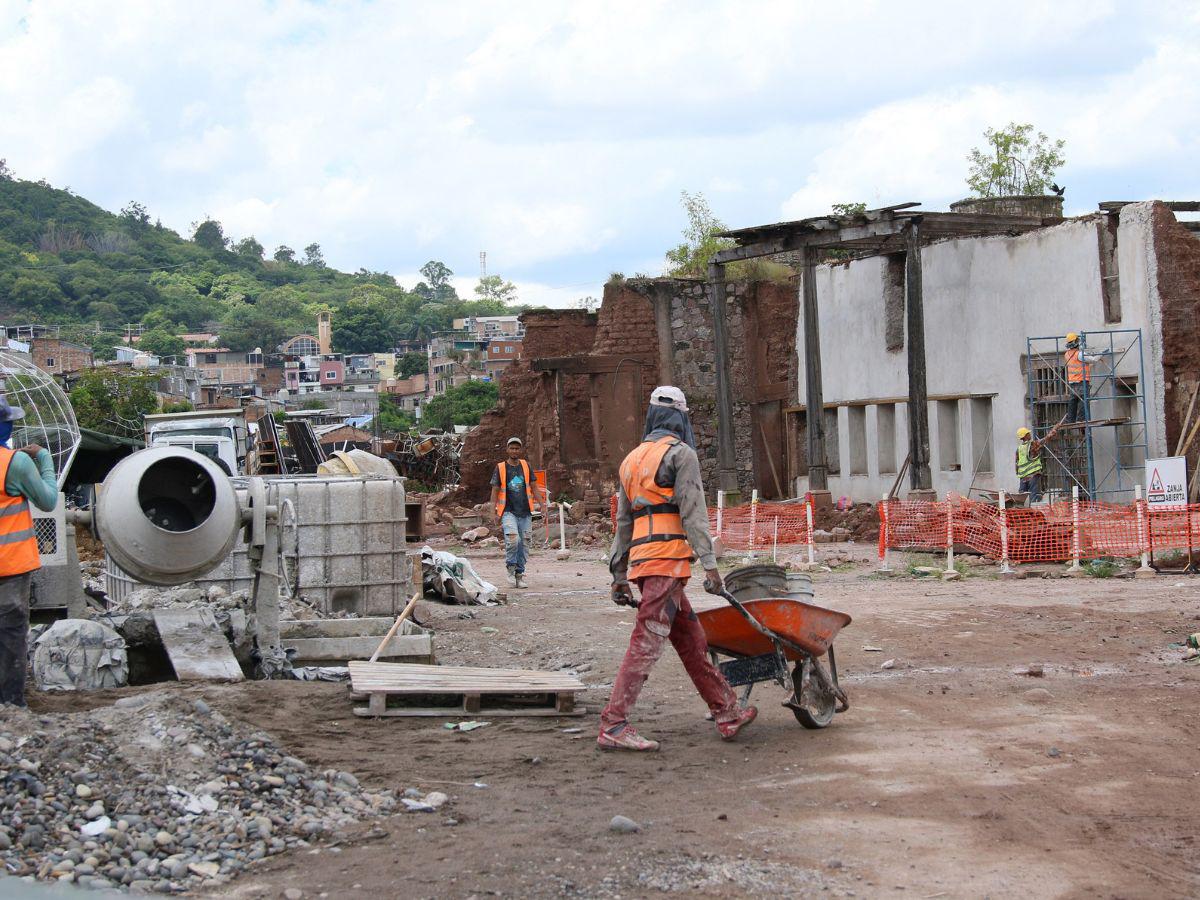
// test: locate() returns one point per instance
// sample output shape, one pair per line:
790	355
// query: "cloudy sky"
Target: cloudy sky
558	136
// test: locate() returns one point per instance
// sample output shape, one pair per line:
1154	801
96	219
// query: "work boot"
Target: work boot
520	581
512	578
729	730
626	738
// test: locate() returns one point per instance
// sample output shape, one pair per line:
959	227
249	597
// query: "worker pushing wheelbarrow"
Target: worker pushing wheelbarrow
662	527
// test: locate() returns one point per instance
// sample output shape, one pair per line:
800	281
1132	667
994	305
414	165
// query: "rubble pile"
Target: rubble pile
858	523
85	798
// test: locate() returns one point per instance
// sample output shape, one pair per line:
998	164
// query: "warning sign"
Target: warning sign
1166	481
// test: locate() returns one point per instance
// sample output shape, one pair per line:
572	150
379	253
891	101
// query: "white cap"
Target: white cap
665	395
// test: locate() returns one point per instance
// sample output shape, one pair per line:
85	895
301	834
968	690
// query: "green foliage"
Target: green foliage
392	419
1102	568
1013	162
180	406
462	405
495	289
849	209
412	363
113	402
246	327
161	342
700	242
210	235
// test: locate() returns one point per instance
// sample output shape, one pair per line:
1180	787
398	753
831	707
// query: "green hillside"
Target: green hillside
64	260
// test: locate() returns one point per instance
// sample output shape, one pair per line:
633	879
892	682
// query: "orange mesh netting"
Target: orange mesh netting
753	525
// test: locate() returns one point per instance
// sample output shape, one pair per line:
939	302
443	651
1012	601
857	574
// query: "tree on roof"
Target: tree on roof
1014	162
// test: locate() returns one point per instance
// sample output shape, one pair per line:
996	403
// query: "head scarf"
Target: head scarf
663	420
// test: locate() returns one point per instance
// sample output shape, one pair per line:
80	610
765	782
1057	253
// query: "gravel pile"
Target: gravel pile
159	793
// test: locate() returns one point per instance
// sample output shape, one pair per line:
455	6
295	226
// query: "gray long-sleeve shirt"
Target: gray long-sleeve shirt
680	467
33	479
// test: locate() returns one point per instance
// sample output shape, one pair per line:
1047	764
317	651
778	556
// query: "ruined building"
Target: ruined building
922	336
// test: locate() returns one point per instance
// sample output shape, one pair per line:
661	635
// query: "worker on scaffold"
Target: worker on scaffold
1029	461
1079	376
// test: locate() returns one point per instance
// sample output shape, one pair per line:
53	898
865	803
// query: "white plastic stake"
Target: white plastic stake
884	535
809	518
775	543
1075	547
1005	568
720	510
562	528
753	518
949	535
1143	539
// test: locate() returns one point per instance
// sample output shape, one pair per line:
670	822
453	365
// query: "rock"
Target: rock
926	570
623	825
347	779
476	534
1054	753
1033	671
1038	695
833	863
201	708
164	839
131	702
82	791
488	629
489	542
205	869
888	664
5	841
436	799
562	554
951	576
293	894
95	811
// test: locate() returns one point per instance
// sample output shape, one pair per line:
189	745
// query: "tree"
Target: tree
392	419
135	217
245	327
462	405
412	363
114	402
161	342
178	406
587	304
284	254
314	257
364	325
1014	162
700	242
210	235
493	287
249	248
849	209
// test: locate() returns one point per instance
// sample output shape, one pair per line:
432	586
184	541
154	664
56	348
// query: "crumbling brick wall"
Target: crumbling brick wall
1177	251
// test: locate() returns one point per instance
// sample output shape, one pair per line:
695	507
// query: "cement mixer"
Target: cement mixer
169	515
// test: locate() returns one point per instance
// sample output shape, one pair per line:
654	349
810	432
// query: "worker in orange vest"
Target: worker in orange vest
28	476
1079	373
662	525
514	499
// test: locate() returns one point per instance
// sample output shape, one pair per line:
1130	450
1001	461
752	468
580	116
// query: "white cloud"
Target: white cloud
557	137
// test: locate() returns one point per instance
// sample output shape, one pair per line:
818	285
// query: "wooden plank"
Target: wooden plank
196	645
818	462
376	626
456	712
471	703
918	402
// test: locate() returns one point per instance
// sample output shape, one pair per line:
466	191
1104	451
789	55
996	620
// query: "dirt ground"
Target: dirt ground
946	778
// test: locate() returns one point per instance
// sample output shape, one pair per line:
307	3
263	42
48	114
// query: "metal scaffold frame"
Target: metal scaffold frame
1102	463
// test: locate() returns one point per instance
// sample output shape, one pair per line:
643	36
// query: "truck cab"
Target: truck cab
218	434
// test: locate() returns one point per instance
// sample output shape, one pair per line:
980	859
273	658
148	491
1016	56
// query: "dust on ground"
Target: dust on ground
951	775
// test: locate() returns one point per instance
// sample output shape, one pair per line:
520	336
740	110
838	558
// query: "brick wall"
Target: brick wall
1178	255
59	357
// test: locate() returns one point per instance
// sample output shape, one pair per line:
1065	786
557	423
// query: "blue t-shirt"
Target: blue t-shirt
516	501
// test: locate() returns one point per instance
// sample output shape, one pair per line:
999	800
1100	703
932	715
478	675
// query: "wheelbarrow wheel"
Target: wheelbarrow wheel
812	708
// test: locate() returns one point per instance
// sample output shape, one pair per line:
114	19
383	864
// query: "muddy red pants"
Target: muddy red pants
665	614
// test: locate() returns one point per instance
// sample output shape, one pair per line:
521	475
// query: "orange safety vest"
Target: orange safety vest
18	543
1077	372
503	479
659	545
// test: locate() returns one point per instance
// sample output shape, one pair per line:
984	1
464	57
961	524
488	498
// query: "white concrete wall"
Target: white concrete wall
983	298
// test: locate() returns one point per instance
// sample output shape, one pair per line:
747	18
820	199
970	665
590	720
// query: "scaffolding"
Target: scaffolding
1104	456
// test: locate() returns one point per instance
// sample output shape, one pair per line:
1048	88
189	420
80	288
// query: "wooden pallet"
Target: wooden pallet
488	692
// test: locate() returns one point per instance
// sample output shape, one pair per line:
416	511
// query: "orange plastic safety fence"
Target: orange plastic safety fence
753	526
1054	533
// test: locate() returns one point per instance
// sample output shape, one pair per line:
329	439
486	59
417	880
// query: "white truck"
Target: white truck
219	434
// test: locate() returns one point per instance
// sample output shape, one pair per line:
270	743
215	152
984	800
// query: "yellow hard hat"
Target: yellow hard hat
1071	337
1023	433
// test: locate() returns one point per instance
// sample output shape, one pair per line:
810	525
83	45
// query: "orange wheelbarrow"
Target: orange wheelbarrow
762	636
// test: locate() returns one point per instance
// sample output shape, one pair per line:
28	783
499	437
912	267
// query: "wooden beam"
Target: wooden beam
918	400
588	365
726	456
818	467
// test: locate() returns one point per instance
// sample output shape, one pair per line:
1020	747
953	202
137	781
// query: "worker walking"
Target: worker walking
1079	375
662	525
1029	461
513	499
28	477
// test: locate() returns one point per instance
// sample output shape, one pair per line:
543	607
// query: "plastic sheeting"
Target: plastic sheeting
452	579
79	655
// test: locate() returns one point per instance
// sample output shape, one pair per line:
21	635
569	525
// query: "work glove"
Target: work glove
713	583
622	594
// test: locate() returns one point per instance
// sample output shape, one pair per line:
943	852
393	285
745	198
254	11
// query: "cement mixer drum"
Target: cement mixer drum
167	515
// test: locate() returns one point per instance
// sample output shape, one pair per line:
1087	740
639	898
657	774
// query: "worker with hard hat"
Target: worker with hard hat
515	495
1029	461
662	525
1079	374
28	477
